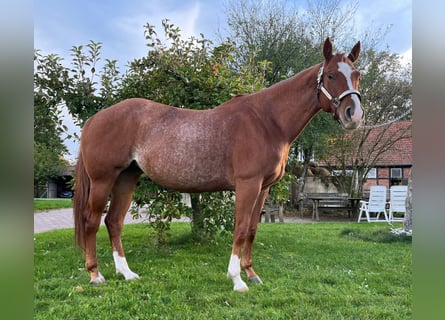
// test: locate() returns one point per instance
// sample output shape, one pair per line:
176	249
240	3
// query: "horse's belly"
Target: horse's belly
193	173
190	153
192	183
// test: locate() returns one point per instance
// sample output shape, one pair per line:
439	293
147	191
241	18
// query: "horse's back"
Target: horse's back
178	148
182	149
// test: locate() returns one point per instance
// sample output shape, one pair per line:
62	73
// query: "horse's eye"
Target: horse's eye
331	76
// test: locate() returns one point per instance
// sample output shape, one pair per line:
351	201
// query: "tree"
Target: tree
56	86
81	95
184	73
194	74
49	79
270	31
330	19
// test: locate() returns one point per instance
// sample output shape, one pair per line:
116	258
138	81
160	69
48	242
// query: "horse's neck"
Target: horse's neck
292	103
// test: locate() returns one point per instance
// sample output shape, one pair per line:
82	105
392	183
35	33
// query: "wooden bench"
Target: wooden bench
327	201
269	211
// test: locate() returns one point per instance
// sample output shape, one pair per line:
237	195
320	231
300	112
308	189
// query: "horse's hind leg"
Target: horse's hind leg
96	203
121	196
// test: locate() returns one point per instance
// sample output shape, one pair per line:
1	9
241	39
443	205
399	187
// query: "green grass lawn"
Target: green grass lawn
310	271
50	204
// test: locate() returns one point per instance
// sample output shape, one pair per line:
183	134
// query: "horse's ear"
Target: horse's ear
327	49
355	52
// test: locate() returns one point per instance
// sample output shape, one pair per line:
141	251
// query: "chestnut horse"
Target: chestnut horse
241	145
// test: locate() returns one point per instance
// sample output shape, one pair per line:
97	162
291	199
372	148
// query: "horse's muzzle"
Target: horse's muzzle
353	113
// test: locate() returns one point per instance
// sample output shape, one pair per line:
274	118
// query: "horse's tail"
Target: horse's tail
81	195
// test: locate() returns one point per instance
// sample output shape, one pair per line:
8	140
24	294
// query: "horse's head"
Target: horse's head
338	82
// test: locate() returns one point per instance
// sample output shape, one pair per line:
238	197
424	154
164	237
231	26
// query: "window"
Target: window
372	174
396	173
341	172
300	156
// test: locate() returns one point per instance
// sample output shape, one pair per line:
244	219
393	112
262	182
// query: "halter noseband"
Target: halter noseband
335	101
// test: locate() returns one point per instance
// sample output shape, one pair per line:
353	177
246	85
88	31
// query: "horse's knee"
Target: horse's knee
240	236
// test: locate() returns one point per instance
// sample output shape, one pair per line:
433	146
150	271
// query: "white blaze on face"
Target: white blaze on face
347	70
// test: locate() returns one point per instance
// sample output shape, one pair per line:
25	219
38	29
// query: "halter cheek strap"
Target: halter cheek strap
335	100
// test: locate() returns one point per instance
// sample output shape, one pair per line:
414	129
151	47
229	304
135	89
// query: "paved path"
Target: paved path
63	218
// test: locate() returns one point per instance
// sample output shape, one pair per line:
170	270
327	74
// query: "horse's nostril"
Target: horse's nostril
349	112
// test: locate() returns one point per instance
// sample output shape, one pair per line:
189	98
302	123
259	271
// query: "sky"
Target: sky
118	25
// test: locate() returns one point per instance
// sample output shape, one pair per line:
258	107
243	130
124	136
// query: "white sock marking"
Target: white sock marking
122	267
234	272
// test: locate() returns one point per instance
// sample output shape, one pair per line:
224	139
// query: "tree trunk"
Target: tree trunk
281	212
197	217
302	180
294	193
306	153
408	221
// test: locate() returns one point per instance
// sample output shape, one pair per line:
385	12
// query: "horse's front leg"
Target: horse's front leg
246	197
121	196
246	261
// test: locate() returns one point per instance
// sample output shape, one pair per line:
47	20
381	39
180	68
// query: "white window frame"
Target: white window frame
340	172
372	174
399	175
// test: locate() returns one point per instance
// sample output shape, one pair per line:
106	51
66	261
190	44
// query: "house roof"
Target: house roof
401	153
397	153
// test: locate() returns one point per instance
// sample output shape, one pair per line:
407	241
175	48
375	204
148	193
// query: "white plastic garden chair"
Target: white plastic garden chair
397	198
376	205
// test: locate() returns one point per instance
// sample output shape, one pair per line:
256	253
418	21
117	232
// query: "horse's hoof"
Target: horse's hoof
98	280
132	276
240	286
241	289
256	280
